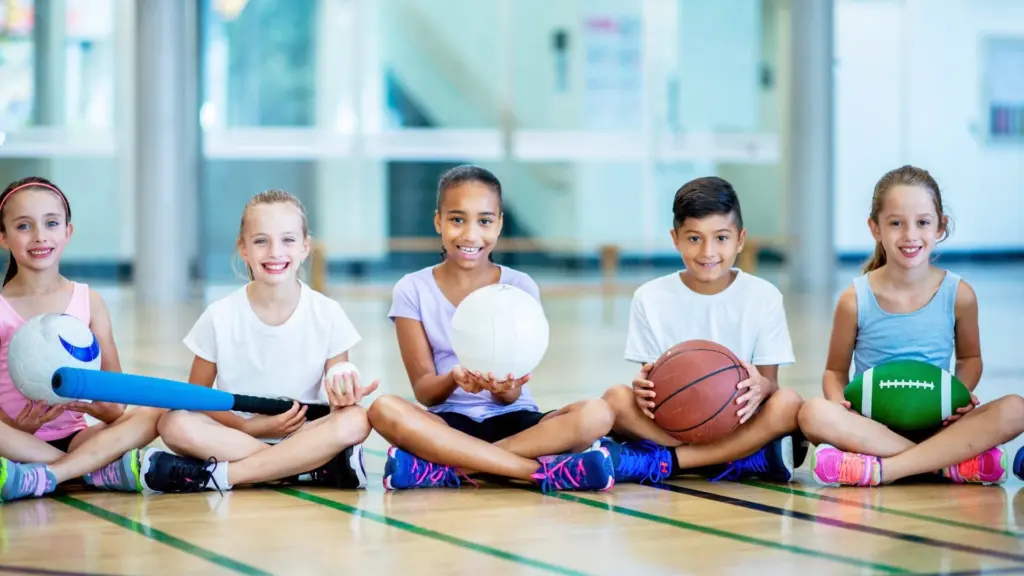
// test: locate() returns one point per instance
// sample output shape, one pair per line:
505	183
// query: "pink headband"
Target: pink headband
37	185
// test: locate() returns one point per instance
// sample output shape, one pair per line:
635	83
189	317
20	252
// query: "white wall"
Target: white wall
908	90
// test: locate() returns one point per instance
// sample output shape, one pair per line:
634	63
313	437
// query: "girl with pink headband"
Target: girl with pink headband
42	446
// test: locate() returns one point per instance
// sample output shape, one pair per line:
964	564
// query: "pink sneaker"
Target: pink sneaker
987	468
831	466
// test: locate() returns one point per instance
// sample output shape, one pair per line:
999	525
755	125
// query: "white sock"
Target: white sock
220	476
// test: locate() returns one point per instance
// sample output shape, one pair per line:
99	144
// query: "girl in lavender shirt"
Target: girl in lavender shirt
474	423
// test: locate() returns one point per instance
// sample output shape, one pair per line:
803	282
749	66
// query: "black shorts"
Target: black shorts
63	444
495	428
917	436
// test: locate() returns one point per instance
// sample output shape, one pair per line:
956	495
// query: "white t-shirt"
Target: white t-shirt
285	361
748	318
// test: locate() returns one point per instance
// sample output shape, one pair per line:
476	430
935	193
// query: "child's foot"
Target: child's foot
831	466
403	471
19	480
590	470
162	471
121	474
642	461
774	463
989	467
345	471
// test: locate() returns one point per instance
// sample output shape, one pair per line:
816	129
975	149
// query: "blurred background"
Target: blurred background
160	118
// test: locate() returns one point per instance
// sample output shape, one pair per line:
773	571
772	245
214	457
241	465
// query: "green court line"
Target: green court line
427	532
709	530
725	534
893	511
160	536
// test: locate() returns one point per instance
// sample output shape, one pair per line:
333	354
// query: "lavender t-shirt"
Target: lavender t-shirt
417	296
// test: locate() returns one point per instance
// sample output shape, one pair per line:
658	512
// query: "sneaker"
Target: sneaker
639	462
345	471
122	474
989	467
773	463
1018	465
19	480
831	466
162	471
404	471
590	470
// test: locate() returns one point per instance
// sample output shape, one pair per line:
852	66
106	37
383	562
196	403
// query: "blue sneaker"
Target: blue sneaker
774	463
404	471
19	480
1018	464
590	470
642	461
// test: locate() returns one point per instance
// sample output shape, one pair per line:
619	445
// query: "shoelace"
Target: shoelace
567	472
435	474
633	462
854	469
755	463
201	473
970	470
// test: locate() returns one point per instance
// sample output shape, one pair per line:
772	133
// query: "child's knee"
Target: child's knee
351	425
596	418
813	417
619	398
177	429
1010	414
385	412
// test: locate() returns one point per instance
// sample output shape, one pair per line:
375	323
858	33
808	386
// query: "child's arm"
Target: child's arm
840	348
428	388
109	360
968	340
344	389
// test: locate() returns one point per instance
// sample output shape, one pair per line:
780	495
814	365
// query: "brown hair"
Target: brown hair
904	176
272	196
30	183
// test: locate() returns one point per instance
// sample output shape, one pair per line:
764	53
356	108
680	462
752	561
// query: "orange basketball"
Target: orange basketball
695	391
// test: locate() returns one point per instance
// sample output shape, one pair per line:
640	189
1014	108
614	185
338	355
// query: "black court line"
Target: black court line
7	569
824	520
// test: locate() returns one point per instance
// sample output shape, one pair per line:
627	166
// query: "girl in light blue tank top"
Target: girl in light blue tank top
931	316
883	336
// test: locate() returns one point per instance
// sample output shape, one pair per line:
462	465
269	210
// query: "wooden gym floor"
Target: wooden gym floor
686	527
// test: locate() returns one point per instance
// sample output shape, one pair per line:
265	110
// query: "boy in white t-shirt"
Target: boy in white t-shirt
709	300
275	337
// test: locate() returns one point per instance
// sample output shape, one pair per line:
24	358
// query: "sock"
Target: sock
51	481
220	476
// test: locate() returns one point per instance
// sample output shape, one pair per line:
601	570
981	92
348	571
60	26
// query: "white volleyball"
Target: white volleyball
42	345
500	329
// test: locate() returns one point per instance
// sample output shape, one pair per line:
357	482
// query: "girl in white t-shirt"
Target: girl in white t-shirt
275	337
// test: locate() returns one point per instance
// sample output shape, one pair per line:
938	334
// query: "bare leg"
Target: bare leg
96	447
19	446
252	461
983	428
571	429
825	422
429	437
776	417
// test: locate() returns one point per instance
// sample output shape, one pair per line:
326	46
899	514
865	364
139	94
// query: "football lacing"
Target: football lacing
906	384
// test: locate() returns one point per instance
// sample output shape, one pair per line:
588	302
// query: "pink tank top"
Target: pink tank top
11	400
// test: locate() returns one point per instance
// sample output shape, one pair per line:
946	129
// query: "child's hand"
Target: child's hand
643	390
344	389
466	380
102	411
510	383
262	426
758	388
35	414
961	411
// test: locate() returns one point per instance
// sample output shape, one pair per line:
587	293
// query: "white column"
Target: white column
809	145
50	61
166	150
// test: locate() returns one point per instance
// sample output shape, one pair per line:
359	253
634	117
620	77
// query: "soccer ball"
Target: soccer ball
500	329
907	394
44	344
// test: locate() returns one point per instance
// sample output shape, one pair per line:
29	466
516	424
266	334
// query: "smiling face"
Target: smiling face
709	246
35	228
274	242
469	221
908	226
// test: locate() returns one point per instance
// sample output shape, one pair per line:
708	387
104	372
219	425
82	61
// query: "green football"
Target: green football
907	394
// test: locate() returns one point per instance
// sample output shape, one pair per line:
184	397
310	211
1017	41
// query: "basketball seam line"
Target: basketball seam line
694	383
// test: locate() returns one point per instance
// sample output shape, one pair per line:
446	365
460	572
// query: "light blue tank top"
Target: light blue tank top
926	335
